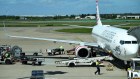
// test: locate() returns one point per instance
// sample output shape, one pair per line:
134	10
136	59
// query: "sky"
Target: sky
67	7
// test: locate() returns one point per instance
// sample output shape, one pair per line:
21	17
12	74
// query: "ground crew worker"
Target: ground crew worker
61	49
110	53
98	67
128	69
7	55
129	72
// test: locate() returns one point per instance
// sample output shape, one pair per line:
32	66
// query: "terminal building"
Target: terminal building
90	17
128	16
86	17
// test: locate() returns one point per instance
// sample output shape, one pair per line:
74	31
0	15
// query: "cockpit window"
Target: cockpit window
134	42
121	42
127	42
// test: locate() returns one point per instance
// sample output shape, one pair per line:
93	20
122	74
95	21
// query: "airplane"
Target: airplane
116	40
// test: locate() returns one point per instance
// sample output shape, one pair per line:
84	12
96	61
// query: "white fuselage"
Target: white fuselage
116	40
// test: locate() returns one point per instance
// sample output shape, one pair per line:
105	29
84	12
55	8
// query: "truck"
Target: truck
6	56
133	71
55	51
34	60
83	61
8	53
5	60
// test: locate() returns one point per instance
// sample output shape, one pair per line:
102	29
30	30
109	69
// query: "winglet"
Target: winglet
97	14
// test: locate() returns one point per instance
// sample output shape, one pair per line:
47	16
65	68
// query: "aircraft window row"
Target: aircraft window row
128	42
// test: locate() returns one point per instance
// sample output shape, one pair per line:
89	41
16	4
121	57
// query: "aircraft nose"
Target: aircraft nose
132	50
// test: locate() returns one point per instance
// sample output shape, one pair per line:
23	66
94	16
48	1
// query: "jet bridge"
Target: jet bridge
135	31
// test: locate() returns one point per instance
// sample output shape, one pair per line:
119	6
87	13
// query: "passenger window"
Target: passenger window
121	42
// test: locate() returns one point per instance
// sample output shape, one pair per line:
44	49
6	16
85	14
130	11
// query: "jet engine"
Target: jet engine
82	52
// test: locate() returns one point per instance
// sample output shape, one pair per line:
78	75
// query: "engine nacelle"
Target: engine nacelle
82	52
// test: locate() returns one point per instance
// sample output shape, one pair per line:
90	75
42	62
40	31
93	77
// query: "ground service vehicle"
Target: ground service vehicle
56	51
83	61
34	60
6	56
134	71
9	53
8	60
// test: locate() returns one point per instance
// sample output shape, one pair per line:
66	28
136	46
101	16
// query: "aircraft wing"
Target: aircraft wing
120	25
53	40
90	27
57	40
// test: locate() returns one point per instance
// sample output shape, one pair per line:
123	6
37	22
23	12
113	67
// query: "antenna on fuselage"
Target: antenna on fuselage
97	14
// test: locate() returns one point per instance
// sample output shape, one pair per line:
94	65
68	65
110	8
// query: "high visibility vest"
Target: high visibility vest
128	68
61	47
97	63
109	52
7	55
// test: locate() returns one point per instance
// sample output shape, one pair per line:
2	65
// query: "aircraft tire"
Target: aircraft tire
39	63
71	65
7	61
24	62
93	64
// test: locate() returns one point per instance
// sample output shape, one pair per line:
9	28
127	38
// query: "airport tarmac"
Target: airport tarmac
51	70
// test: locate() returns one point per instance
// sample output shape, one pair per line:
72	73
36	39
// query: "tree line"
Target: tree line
59	17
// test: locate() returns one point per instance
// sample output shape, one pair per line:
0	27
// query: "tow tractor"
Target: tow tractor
6	56
134	70
55	51
83	61
8	53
